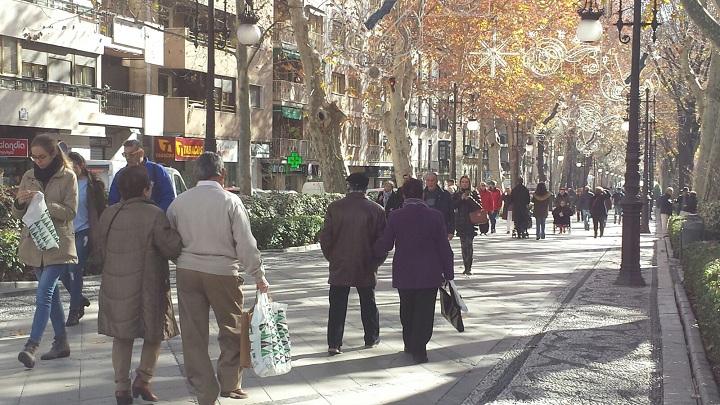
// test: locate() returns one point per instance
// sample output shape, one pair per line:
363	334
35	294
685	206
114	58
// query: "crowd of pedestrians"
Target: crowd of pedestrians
206	231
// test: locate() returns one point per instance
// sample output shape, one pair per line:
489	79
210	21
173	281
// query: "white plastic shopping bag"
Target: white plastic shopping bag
37	219
458	297
269	338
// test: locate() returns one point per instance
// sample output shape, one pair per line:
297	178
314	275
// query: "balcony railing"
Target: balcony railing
289	91
283	35
123	103
69	6
283	147
111	101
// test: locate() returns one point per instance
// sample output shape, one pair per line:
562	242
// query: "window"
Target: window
34	64
353	85
338	33
85	71
354	136
8	56
164	85
255	96
338	83
59	70
373	136
225	94
424	112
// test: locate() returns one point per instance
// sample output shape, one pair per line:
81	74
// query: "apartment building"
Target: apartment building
358	96
95	75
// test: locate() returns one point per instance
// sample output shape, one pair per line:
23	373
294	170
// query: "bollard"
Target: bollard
692	231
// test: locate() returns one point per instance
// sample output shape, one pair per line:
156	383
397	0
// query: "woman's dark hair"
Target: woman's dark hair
78	160
133	182
461	179
541	189
412	188
51	146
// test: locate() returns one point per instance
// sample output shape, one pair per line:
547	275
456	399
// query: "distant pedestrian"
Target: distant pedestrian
91	204
665	205
562	217
541	206
51	175
680	201
584	203
217	243
520	199
352	225
599	211
465	201
451	186
137	242
492	202
390	199
578	211
617	198
691	203
507	210
423	260
608	200
441	200
160	183
562	195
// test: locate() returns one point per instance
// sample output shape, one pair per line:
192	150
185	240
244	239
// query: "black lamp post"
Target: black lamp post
630	274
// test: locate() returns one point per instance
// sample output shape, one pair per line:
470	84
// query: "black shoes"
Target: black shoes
334	351
373	344
60	348
420	358
74	316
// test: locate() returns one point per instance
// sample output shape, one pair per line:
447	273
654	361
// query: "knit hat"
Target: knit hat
358	180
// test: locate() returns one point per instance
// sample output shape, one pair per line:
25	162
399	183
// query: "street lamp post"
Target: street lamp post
630	274
645	225
453	135
210	143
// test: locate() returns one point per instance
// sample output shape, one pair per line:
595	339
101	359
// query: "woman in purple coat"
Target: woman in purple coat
423	261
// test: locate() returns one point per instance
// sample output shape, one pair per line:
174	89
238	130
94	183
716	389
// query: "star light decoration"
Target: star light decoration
492	55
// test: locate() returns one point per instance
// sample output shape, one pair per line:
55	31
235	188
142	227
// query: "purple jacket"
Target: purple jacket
423	257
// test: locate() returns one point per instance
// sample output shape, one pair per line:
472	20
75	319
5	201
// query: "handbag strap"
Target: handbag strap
122	205
479	203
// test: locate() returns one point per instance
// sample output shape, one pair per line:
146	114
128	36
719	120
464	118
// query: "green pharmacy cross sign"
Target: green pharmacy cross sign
294	160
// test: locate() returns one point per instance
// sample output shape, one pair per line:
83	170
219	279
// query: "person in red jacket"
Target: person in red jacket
492	200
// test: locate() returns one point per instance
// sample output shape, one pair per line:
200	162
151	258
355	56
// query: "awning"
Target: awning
281	53
289	112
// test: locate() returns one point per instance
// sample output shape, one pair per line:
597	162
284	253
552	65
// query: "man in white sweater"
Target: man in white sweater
217	243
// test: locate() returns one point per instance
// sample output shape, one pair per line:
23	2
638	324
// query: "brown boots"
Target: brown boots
27	355
60	348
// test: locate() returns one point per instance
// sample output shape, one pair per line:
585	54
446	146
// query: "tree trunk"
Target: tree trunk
542	177
324	120
708	133
244	171
514	158
493	143
399	88
688	137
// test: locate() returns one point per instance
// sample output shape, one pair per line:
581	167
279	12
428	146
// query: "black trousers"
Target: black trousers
338	309
417	313
466	246
599	222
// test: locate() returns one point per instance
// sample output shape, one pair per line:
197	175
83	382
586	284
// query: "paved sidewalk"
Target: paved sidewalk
546	325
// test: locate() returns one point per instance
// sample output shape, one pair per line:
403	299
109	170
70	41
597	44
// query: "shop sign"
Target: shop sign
228	150
164	149
188	148
13	147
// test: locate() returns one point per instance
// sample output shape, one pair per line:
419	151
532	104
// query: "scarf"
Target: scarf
44	175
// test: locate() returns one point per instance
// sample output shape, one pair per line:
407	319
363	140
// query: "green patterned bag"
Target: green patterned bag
269	338
38	221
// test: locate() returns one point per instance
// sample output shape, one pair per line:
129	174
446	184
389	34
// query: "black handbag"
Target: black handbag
450	308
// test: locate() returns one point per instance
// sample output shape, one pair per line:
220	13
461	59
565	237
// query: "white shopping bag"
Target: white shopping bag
37	219
269	338
458	297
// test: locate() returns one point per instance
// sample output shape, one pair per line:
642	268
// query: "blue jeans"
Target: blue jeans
493	220
73	279
47	301
586	219
540	227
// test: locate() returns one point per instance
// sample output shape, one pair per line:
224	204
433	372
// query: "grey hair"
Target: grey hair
132	143
433	174
209	165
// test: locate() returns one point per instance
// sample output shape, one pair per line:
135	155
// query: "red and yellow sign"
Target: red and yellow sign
165	149
188	148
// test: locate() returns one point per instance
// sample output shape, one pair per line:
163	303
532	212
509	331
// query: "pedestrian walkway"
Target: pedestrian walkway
546	325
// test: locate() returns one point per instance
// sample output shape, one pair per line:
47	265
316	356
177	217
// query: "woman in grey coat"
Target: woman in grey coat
136	241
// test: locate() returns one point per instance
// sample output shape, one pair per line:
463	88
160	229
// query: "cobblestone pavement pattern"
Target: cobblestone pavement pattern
545	325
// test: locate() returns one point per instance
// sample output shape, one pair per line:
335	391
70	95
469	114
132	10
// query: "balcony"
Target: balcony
284	91
181	53
184	117
284	37
85	12
123	103
377	154
283	147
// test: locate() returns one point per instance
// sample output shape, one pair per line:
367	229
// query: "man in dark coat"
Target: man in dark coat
520	198
441	200
599	210
352	225
617	197
389	198
584	202
665	205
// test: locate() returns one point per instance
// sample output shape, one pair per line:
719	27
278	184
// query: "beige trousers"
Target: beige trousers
197	293
122	357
